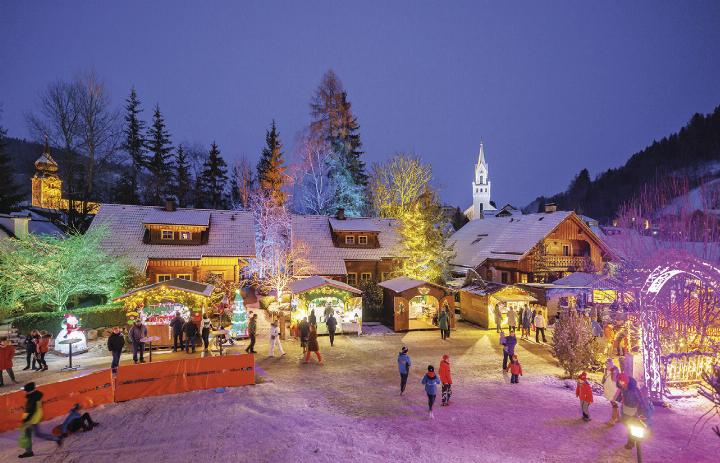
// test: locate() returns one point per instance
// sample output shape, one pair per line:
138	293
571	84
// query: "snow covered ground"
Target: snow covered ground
349	410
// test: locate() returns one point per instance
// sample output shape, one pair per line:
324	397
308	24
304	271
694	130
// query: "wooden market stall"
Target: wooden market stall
410	304
478	302
156	304
324	296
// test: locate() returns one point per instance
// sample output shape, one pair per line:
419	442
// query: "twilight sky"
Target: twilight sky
550	87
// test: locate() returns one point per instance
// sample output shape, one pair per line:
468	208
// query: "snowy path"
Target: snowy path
349	410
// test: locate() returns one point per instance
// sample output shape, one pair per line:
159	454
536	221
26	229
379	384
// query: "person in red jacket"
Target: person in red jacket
446	380
7	352
42	348
583	391
515	370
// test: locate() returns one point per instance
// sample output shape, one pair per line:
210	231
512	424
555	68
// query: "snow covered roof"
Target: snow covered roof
506	238
201	289
230	234
354	224
587	280
403	283
197	217
327	259
37	225
315	281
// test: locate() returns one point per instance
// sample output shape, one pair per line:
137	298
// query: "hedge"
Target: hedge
90	318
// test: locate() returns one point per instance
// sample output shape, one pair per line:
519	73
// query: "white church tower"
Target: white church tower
481	189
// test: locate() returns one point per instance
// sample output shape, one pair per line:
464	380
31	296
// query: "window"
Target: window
523	278
366	276
167	234
163	277
383	276
504	277
362	239
185	235
566	249
352	279
350	239
217	274
184	276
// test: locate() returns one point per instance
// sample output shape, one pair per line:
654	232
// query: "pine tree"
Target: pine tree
134	146
159	164
213	179
9	191
271	167
573	343
183	177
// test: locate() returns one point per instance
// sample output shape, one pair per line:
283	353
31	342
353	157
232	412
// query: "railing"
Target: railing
566	262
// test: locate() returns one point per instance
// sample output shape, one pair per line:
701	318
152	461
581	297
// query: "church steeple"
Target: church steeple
46	184
481	187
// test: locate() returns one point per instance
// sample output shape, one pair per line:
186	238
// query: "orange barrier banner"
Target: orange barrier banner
176	376
89	390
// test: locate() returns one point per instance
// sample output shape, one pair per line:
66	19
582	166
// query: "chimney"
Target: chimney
340	214
17	224
170	205
550	208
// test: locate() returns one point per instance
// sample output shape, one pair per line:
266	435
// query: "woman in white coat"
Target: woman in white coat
609	383
275	339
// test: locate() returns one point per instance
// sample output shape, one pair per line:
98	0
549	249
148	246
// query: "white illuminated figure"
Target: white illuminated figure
71	330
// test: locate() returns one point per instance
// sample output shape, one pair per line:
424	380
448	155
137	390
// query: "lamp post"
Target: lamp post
638	432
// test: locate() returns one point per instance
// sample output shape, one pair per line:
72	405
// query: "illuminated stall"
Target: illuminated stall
479	302
156	305
410	304
323	296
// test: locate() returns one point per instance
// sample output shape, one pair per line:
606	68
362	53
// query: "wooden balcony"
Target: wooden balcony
567	263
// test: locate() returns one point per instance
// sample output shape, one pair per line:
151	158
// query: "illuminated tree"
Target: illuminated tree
316	189
396	184
572	343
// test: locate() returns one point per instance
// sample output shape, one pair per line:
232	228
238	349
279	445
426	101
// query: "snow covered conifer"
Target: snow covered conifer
572	343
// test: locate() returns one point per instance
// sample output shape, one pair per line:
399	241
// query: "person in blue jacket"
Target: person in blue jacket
75	422
431	382
404	367
509	349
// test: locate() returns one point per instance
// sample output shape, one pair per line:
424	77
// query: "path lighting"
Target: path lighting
638	432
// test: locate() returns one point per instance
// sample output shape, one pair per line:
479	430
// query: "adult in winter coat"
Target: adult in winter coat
313	345
190	330
445	380
331	323
43	346
304	329
7	352
540	325
512	319
583	391
275	339
205	327
509	349
312	318
526	321
634	405
252	332
30	350
404	367
115	344
497	313
176	326
135	335
443	324
36	355
609	382
32	416
431	381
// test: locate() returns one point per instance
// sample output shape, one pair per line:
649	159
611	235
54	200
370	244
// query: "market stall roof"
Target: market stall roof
401	284
201	289
307	284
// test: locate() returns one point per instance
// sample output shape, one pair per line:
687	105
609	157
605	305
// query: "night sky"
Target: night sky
550	87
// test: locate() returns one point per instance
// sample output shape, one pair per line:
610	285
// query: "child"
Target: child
430	380
446	380
515	370
584	393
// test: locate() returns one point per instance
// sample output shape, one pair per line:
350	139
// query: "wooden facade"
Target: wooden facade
396	306
375	270
478	308
195	269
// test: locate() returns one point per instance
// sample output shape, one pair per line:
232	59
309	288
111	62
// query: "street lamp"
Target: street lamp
638	432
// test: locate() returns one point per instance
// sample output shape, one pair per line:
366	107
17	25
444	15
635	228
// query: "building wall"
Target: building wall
199	269
474	308
376	269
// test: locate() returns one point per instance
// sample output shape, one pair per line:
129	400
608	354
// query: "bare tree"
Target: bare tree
243	182
313	179
396	184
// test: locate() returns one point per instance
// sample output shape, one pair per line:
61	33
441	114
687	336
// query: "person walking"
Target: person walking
509	349
75	422
583	391
176	326
609	382
331	323
515	370
443	324
497	313
252	331
512	318
137	333
445	380
30	346
275	339
313	345
36	354
7	352
115	344
431	381
190	331
32	416
312	319
206	326
42	349
526	320
304	329
540	325
404	367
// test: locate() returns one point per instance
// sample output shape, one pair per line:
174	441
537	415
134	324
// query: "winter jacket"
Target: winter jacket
252	326
304	328
313	345
312	319
6	357
206	324
116	342
527	319
629	396
43	344
540	321
430	382
274	332
515	368
190	329
33	408
512	317
136	333
510	343
403	363
610	383
445	376
331	323
584	392
443	320
72	416
177	325
30	344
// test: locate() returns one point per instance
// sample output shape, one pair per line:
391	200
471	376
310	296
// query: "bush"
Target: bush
90	318
265	301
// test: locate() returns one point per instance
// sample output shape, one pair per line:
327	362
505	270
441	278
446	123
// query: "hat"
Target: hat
404	350
431	368
446	357
623	378
29	387
583	376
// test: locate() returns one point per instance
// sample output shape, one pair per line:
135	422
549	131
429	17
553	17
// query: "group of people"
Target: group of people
526	319
185	332
37	345
430	379
307	330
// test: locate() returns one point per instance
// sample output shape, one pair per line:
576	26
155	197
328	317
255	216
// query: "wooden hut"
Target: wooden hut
410	304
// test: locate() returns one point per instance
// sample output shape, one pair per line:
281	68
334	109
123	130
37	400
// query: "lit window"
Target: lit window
184	276
167	234
352	279
566	250
504	277
185	235
366	276
349	240
383	276
163	277
362	239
